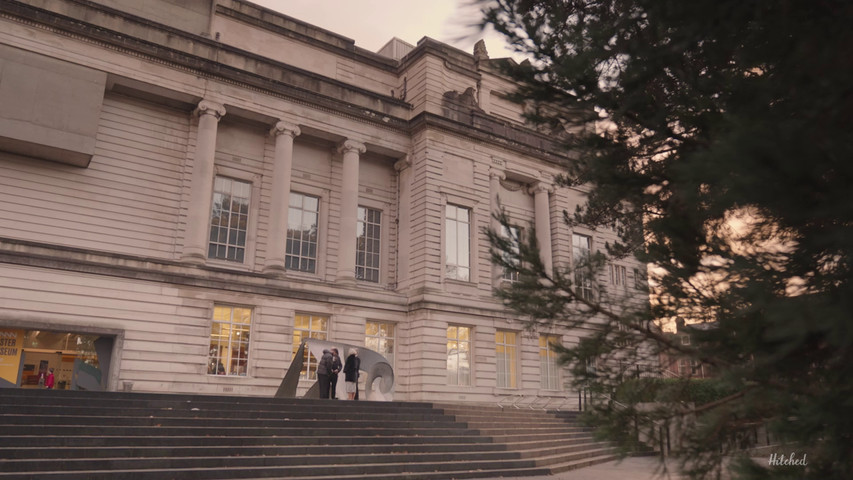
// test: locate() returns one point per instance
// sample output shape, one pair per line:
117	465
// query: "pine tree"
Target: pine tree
715	138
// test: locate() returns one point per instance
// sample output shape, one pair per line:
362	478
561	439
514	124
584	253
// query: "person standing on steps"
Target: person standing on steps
333	374
48	382
351	368
324	367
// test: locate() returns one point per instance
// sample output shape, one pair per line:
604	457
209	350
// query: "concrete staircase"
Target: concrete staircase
67	435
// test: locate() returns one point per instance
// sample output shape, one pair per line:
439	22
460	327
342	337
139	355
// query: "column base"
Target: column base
275	270
194	258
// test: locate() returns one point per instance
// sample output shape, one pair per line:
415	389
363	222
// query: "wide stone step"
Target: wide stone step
100	440
118	451
204	405
147	421
579	456
67	435
233	461
337	411
582	463
93	396
274	470
511	439
72	429
522	430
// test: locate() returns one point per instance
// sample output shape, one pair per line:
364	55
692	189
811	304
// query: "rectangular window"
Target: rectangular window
618	275
458	355
229	341
548	367
581	251
512	234
302	221
309	326
457	238
229	219
639	280
379	337
367	244
506	358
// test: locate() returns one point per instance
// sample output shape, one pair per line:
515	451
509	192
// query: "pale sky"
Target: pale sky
371	23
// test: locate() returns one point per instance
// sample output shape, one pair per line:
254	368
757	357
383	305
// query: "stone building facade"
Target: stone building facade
201	184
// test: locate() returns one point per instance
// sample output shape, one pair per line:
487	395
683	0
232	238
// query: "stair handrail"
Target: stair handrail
565	400
544	408
510	397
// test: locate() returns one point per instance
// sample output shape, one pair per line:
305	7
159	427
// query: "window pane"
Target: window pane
229	219
458	355
229	341
308	326
379	337
301	242
368	244
506	359
457	242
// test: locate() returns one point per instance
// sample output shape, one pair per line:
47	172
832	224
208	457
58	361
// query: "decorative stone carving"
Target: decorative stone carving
480	52
349	146
207	107
285	128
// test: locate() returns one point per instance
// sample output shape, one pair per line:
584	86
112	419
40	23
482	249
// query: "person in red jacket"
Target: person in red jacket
48	382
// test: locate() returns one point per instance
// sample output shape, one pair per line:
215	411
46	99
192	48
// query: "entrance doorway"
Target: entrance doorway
43	350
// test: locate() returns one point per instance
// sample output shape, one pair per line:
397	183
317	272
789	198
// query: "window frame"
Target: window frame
551	368
583	278
252	222
319	225
379	337
306	373
511	357
379	238
511	276
228	365
618	275
470	351
469	244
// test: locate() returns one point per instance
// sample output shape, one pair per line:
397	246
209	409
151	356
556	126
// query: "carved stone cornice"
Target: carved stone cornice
207	107
285	128
402	164
349	146
540	187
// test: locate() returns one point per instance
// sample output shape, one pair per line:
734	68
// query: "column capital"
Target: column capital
540	187
352	146
497	173
285	128
207	107
402	164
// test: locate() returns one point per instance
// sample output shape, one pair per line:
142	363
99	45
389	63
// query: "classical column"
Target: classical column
349	209
543	223
403	167
201	190
279	204
495	177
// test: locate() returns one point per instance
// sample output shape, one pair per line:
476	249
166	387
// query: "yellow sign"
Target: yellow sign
11	345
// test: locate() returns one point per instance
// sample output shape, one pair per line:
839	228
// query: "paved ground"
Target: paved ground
632	468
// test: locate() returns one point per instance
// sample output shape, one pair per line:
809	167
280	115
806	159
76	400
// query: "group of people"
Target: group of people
330	366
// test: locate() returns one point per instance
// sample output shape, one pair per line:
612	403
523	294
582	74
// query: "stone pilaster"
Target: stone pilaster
198	214
542	206
351	151
404	227
284	134
495	177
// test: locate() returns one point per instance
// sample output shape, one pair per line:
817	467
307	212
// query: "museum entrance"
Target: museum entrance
73	356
